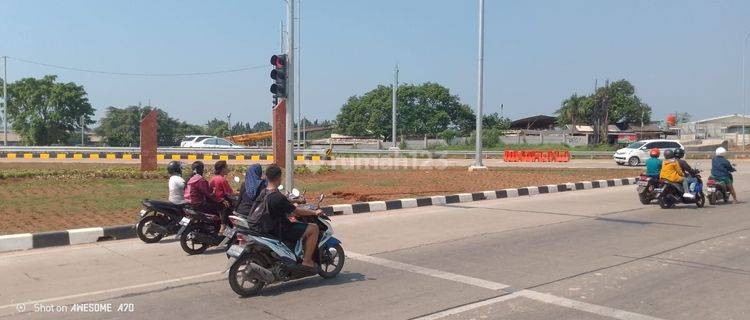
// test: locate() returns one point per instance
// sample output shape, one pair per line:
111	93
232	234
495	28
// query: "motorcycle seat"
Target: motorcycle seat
163	206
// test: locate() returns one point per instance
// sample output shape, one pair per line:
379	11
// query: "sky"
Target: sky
681	55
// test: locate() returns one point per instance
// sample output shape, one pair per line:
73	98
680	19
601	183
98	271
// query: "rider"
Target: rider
671	171
251	188
198	194
679	154
653	164
176	183
222	190
280	207
721	170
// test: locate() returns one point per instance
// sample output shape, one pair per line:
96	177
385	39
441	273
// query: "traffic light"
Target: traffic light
278	74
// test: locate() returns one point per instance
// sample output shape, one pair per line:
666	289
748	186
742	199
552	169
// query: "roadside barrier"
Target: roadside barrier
536	156
159	156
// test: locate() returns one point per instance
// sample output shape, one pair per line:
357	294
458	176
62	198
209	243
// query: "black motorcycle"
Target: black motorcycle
671	193
647	188
158	219
717	190
200	231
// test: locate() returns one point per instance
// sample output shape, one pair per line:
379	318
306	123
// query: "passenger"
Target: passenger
176	183
653	164
722	170
251	188
198	194
222	191
689	173
670	169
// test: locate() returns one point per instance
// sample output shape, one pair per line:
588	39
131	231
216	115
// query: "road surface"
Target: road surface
595	254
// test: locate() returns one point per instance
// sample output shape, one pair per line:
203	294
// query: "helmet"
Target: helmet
174	167
668	154
197	167
720	151
679	153
654	152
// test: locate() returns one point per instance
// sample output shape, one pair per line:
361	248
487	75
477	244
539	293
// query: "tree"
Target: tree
216	127
495	121
44	111
574	110
428	108
613	103
121	127
261	126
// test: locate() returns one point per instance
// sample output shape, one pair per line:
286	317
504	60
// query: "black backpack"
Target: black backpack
260	219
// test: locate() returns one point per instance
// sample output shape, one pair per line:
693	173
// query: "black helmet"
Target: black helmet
679	153
174	167
197	167
668	154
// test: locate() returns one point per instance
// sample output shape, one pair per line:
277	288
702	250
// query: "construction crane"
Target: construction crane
249	138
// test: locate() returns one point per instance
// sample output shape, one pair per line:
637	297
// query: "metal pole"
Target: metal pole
229	123
393	106
744	91
289	161
299	79
82	139
281	34
480	83
5	101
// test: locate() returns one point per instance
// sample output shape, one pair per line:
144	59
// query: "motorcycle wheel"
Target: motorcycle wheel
331	263
644	199
665	202
187	244
712	198
701	201
726	197
237	278
143	225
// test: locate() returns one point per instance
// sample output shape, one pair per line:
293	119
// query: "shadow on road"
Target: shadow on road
312	282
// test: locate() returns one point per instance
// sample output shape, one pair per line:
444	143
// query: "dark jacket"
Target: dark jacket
721	168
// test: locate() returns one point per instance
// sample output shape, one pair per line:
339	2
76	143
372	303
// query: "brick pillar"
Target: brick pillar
148	141
278	138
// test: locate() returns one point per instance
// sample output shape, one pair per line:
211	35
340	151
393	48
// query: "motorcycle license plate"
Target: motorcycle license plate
229	232
642	183
143	213
185	221
235	251
711	189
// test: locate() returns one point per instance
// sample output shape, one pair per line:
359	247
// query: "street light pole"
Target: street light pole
744	91
289	157
393	107
480	98
5	101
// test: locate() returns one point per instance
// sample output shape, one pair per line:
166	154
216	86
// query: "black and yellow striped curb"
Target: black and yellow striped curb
25	241
160	156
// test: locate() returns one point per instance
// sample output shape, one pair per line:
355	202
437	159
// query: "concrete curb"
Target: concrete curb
25	241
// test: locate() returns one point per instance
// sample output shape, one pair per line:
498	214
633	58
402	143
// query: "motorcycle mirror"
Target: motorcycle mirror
295	192
321	197
281	187
237	179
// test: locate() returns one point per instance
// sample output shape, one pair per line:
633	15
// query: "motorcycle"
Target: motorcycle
259	260
158	219
717	190
671	193
647	188
200	230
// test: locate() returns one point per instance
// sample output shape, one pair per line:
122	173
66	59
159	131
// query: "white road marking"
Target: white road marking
584	306
93	293
428	272
468	307
530	294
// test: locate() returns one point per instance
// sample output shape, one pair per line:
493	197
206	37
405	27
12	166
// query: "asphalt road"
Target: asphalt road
596	254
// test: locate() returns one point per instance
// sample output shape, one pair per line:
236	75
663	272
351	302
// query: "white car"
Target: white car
215	142
188	141
637	152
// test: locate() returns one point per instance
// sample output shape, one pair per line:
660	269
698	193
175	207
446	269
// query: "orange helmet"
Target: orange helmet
654	152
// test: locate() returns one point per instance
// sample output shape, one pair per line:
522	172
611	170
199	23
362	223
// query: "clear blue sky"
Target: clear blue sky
680	54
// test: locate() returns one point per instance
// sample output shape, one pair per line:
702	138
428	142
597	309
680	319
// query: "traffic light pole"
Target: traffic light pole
393	111
480	98
289	136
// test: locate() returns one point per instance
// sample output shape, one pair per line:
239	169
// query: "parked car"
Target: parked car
215	142
188	141
637	152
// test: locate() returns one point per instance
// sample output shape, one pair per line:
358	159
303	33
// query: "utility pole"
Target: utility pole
393	107
289	157
82	134
229	123
299	78
5	101
480	98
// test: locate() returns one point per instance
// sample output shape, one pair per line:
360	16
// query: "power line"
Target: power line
206	73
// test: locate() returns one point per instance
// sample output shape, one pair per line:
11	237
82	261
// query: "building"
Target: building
727	128
539	122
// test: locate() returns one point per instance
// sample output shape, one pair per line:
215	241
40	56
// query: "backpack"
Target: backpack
260	219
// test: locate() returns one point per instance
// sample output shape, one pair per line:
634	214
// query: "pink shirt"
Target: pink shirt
197	190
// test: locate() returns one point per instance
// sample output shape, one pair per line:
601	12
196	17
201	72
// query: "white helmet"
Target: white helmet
720	151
